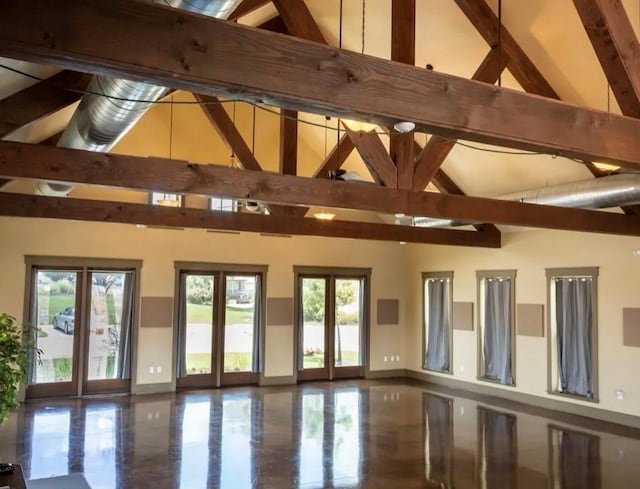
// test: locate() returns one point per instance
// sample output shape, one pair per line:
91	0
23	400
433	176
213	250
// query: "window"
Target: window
573	334
496	335
166	200
437	303
227	205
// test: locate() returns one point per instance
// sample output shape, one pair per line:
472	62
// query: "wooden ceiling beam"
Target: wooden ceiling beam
515	59
446	185
18	205
403	50
246	7
40	100
37	162
227	130
375	157
305	76
617	48
299	21
435	152
332	162
288	142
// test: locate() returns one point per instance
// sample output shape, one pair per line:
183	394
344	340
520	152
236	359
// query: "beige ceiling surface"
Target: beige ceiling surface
549	31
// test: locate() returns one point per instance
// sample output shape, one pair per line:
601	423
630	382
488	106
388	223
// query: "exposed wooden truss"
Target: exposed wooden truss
19	205
375	157
40	100
246	7
19	160
617	48
279	68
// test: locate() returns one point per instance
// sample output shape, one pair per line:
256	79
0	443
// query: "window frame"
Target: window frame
447	275
482	275
552	335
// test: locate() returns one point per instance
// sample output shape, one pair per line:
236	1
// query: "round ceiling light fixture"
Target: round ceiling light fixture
404	127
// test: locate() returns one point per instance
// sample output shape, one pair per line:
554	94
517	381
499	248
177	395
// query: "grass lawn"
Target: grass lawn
233	362
197	313
315	360
58	303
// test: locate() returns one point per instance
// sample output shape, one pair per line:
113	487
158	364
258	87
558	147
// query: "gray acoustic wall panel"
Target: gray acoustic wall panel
388	311
530	320
279	311
631	326
156	312
463	316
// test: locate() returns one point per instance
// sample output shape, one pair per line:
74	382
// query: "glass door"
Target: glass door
314	328
218	329
196	359
331	327
108	332
240	360
55	307
82	322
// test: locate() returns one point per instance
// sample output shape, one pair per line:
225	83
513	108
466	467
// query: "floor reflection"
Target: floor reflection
320	435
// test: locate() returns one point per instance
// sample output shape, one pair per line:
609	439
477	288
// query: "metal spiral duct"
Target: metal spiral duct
600	193
100	122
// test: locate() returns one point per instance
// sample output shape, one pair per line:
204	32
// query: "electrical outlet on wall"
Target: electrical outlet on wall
461	368
152	370
159	369
386	359
619	394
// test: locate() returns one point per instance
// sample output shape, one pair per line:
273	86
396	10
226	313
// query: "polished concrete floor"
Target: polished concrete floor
386	434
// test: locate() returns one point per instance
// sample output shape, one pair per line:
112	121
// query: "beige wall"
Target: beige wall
159	248
530	253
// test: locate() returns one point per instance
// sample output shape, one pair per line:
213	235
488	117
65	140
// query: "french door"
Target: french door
218	328
81	322
331	326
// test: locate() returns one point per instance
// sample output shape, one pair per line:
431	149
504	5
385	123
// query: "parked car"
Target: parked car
65	320
241	297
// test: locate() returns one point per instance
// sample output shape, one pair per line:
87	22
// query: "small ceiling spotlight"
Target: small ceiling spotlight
404	127
399	215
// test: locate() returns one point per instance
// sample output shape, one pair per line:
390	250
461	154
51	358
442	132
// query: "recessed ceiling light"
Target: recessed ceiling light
324	215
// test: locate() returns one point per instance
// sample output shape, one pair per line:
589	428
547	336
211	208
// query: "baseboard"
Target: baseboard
555	405
280	380
385	374
152	388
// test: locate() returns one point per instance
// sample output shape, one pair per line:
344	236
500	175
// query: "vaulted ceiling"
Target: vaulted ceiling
583	52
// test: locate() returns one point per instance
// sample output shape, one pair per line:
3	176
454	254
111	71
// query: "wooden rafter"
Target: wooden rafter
262	65
403	50
375	157
523	68
299	21
40	100
37	162
246	7
617	48
437	149
515	59
288	142
227	130
18	205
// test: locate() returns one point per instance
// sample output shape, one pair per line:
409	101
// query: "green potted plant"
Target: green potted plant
13	363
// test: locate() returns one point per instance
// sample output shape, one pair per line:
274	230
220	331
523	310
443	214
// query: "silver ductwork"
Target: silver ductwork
100	122
599	193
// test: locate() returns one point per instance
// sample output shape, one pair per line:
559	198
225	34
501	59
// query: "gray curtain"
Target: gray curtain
182	327
124	354
574	324
437	356
497	330
257	330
